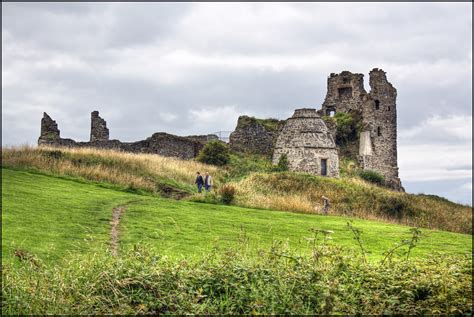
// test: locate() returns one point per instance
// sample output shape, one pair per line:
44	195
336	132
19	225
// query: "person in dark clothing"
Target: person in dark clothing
199	182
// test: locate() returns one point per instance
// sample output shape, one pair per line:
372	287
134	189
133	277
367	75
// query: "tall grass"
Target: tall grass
353	197
147	172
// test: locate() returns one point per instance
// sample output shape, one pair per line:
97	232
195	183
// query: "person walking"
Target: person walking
207	182
199	182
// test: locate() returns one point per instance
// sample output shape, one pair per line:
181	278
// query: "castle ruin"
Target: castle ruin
160	143
308	138
378	138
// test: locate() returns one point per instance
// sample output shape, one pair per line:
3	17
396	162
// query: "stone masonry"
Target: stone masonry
99	131
308	144
252	136
159	143
378	138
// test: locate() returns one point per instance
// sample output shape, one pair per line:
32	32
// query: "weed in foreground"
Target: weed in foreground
330	280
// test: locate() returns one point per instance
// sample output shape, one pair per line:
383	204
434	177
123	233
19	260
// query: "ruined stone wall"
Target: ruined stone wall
378	145
159	143
306	141
380	118
99	131
345	92
252	136
49	130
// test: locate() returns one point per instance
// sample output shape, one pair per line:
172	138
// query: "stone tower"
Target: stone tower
308	144
378	138
49	130
99	130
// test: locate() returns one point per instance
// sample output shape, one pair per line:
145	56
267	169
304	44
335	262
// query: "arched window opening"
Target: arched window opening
388	108
331	113
379	131
377	104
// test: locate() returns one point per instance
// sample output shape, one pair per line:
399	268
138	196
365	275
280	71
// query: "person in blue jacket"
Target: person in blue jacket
199	182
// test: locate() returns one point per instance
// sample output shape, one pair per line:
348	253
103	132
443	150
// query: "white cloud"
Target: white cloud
215	118
437	128
466	186
437	149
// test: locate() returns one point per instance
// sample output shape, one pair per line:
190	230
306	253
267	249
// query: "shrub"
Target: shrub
283	164
227	193
215	153
278	281
53	154
372	177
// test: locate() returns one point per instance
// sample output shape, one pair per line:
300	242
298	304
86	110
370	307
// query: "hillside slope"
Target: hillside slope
51	217
257	186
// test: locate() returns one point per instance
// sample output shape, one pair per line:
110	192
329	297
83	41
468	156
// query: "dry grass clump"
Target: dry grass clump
353	197
147	172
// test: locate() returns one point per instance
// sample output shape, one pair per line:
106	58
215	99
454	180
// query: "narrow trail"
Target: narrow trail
114	232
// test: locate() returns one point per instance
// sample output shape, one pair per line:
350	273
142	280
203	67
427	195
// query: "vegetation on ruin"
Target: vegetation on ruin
257	185
348	126
271	125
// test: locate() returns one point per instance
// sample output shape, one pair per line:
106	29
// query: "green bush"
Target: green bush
215	153
372	177
227	193
328	280
283	164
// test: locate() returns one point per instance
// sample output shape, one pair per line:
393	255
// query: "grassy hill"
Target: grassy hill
54	217
256	185
180	255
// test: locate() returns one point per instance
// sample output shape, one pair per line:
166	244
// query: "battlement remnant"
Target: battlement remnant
49	129
99	131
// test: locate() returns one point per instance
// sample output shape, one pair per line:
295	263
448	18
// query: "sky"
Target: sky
193	68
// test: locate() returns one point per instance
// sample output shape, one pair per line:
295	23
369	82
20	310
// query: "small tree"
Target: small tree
215	153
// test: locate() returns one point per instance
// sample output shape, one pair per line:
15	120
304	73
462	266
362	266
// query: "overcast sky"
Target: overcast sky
193	68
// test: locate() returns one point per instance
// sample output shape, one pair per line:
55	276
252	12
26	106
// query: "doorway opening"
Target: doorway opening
324	165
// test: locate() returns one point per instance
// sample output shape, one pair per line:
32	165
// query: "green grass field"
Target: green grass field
53	217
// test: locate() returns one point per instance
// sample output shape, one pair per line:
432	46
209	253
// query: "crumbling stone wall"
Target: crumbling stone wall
159	143
378	143
308	144
255	135
49	130
99	131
